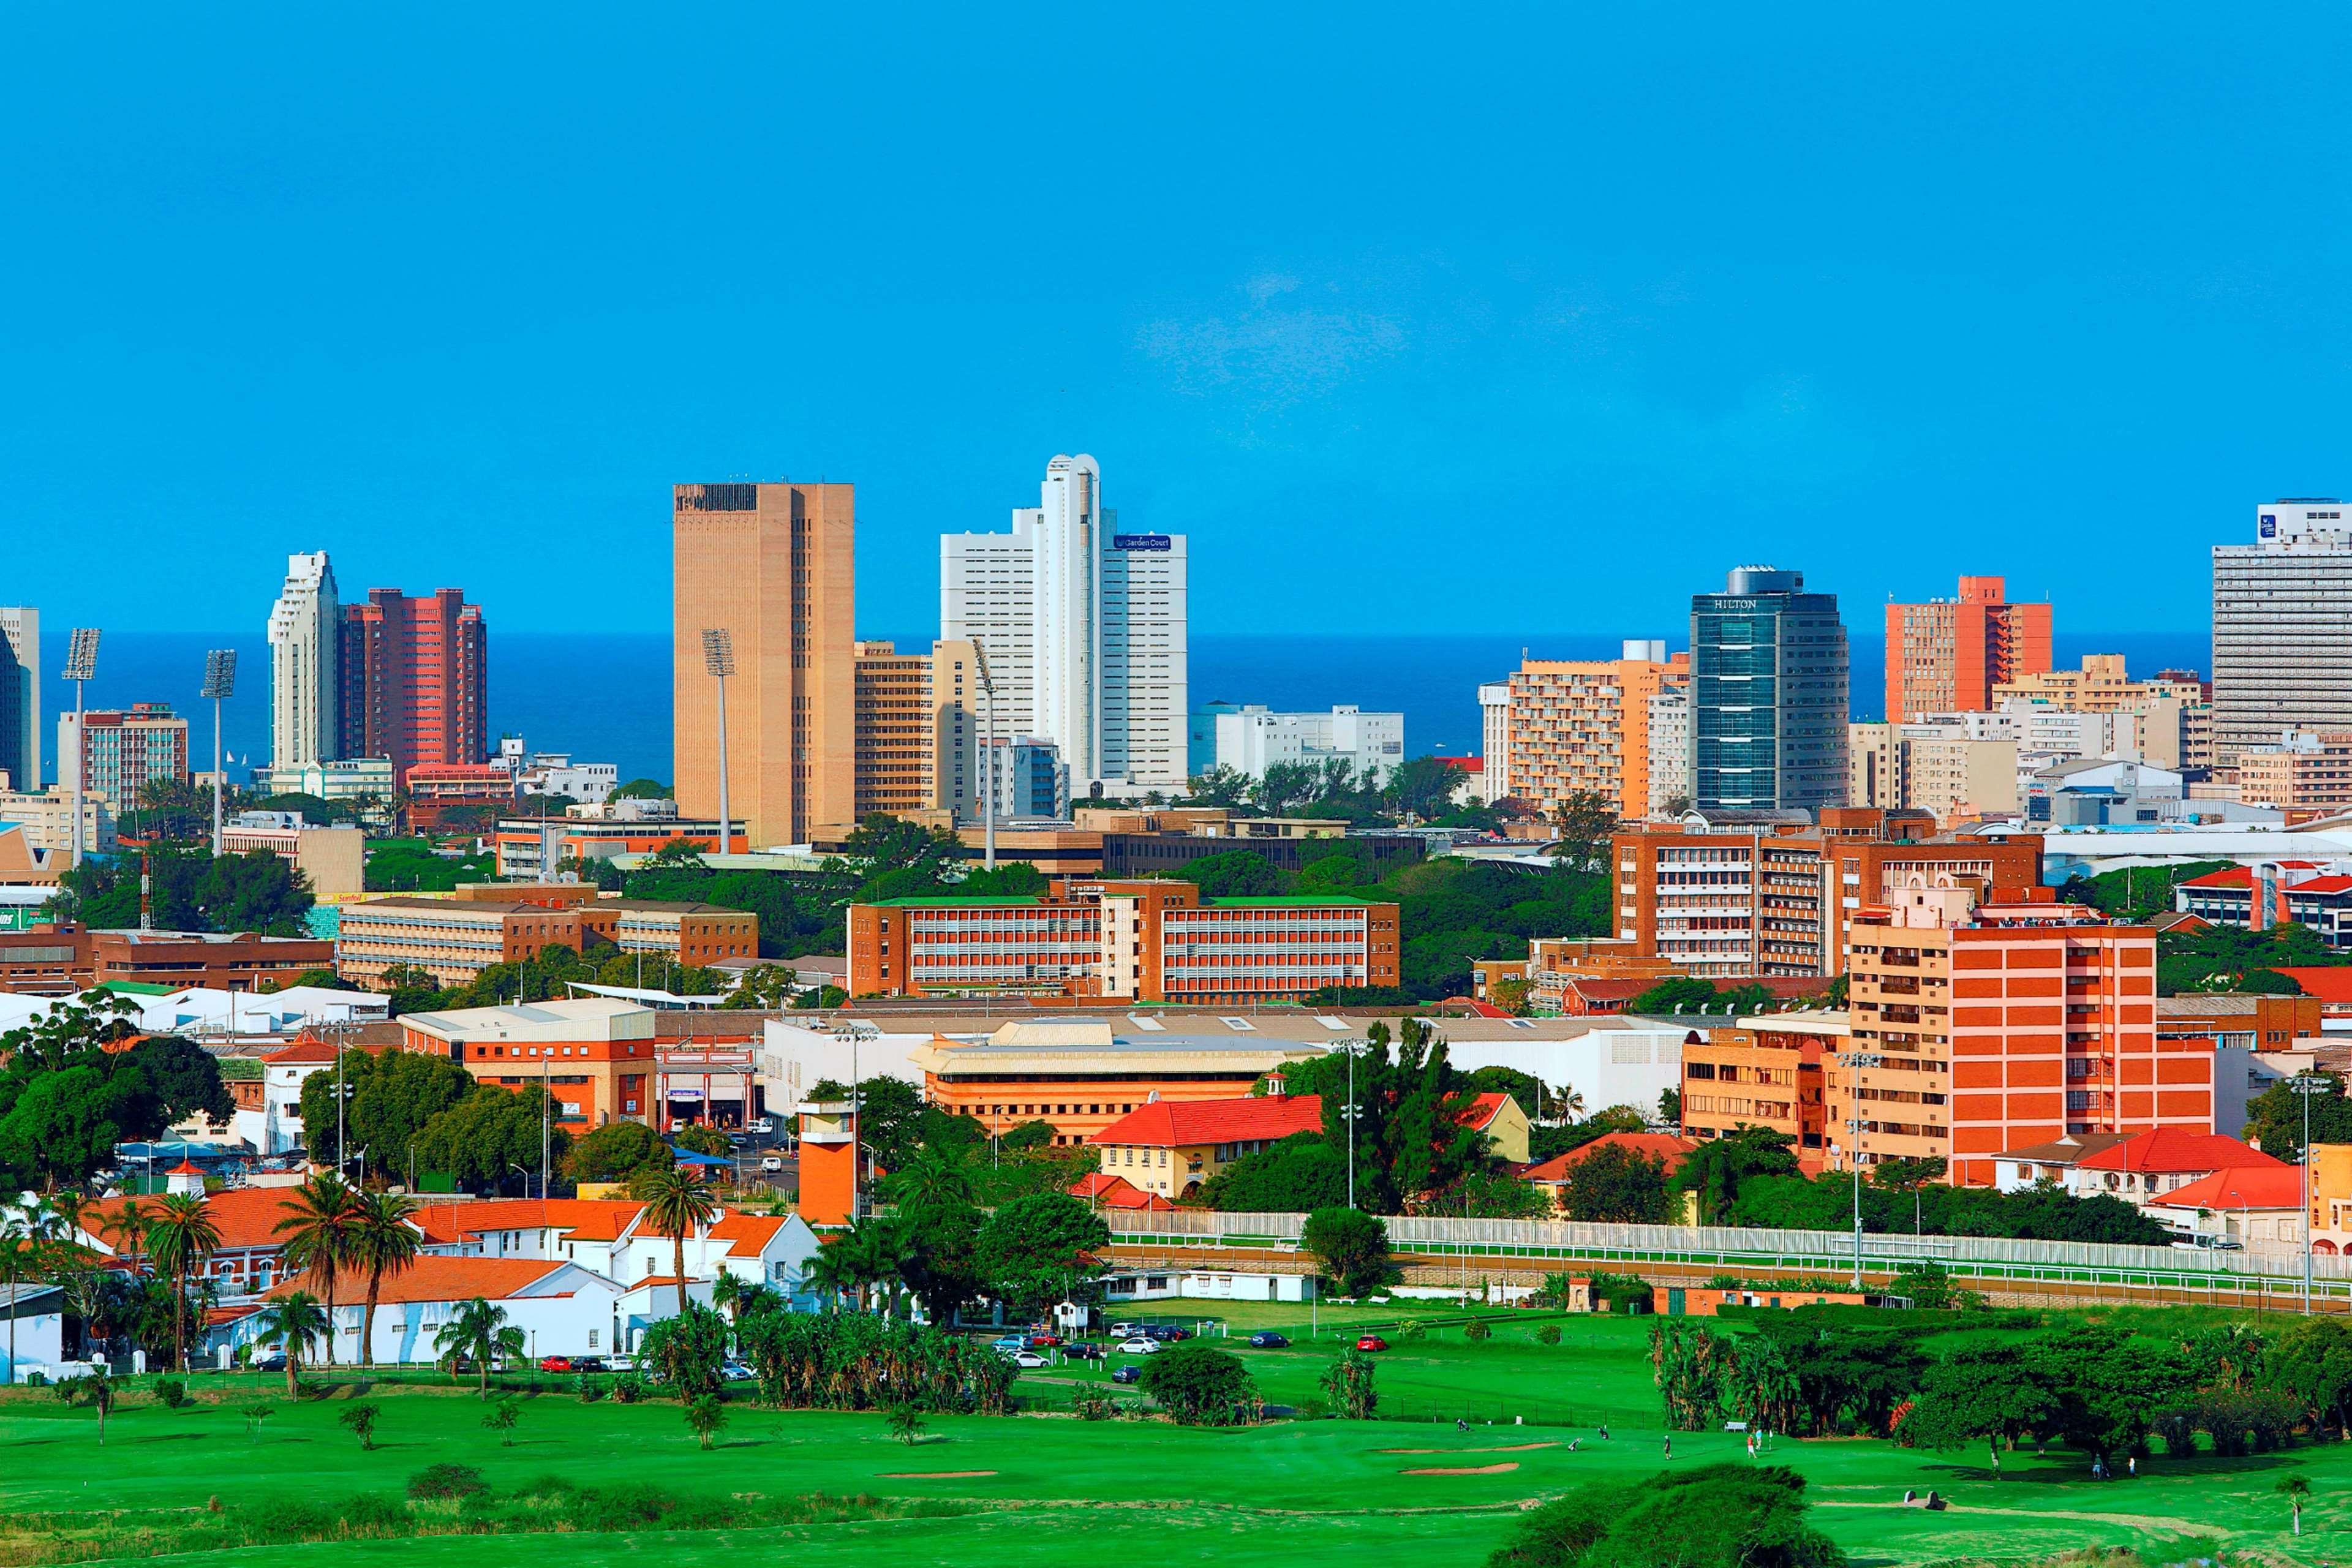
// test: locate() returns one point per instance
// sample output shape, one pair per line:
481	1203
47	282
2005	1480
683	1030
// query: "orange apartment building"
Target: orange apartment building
1947	655
1776	901
1765	1072
772	565
455	939
915	739
2003	1023
1149	940
594	1055
416	679
528	847
1582	726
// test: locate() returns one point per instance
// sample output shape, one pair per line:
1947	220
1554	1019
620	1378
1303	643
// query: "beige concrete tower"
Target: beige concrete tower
774	565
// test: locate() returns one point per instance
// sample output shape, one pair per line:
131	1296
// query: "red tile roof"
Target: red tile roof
1180	1123
581	1219
2329	983
1482	1111
2271	1186
437	1277
748	1234
246	1218
1116	1193
2177	1150
1664	1146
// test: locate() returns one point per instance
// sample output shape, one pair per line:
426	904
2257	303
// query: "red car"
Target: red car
1371	1343
1039	1341
555	1363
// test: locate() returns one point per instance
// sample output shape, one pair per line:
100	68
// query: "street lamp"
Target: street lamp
82	665
1854	1061
220	682
718	658
1349	1111
2306	1085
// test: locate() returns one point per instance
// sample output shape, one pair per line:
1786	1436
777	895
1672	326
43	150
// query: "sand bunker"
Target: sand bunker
1463	1469
1504	1448
932	1475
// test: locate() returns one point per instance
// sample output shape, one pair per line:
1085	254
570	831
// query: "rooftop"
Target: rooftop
2271	1187
2178	1150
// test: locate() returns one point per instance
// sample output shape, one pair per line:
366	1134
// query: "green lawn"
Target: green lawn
1061	1491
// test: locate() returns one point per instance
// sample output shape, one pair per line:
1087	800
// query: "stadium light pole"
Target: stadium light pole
1348	1114
1854	1061
987	760
718	658
82	665
220	683
2306	1085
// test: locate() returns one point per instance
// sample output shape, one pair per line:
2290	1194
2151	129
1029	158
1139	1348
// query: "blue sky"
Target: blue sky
1564	313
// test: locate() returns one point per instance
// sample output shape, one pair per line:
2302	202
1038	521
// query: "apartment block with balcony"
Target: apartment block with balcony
1765	1072
1584	727
2308	772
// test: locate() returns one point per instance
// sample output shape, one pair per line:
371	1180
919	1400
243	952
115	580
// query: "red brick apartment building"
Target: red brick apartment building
416	680
1947	656
1139	940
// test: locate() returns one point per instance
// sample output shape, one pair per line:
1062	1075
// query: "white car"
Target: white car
1028	1361
620	1363
770	1163
1138	1345
763	1124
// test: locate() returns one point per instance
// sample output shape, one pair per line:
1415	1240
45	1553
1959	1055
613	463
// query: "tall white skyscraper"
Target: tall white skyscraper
20	697
2282	626
304	665
1084	630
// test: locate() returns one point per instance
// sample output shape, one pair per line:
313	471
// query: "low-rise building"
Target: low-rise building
2102	791
2315	895
1763	1072
455	939
219	961
1252	739
593	1055
46	817
332	859
2257	1207
1554	1174
530	848
2309	772
560	1309
364	781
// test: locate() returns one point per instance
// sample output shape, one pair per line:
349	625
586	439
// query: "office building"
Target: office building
1252	739
1084	630
416	679
1142	942
331	859
306	681
2307	771
1583	727
1033	783
46	817
1493	740
2168	718
115	753
454	940
1765	1072
593	1055
1777	899
1769	682
20	698
219	961
1947	656
773	566
2000	1022
2314	894
1669	751
1949	769
919	730
2283	627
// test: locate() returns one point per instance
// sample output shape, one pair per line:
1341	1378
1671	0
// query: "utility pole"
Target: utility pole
81	665
718	658
1853	1062
220	683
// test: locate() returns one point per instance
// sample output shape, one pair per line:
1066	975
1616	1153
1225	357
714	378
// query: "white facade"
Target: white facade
354	778
1253	740
1083	628
1493	740
48	816
1670	747
792	1059
1630	1067
2282	626
306	666
20	697
35	1312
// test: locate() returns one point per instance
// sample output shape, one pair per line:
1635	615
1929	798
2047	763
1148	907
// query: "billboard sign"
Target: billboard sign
1160	541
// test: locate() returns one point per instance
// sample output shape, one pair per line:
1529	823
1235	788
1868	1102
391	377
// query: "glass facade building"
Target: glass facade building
1769	689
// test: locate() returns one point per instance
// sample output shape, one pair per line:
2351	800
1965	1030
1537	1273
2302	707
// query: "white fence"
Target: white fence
2267	1268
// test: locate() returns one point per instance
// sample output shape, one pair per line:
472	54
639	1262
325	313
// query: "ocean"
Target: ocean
606	697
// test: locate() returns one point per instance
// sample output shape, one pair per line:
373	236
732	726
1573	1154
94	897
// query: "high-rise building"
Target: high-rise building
1250	740
2283	627
1582	726
1767	695
115	753
1954	766
1946	655
306	682
20	697
773	566
2174	710
1670	749
415	679
1493	740
918	731
1084	628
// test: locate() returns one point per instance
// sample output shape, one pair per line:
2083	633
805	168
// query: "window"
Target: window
591	1338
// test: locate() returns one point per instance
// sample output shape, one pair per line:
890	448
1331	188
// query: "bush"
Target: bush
1198	1385
1412	1329
2177	1430
1714	1516
171	1393
591	1391
1093	1404
438	1483
1549	1334
628	1388
1477	1328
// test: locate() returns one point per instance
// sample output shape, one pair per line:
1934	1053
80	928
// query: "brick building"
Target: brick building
1947	655
416	680
594	1055
455	939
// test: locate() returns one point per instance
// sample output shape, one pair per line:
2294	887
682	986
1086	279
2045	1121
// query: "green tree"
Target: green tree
182	1237
679	1204
687	1348
64	1125
96	1390
484	1137
1301	1173
1350	1382
1234	874
184	1076
381	1240
1582	826
1988	1393
642	789
706	1417
1424	787
1713	1516
1617	1185
2275	1118
906	1423
938	1227
701	1138
1221	786
319	1217
501	1419
2105	1386
479	1332
617	1152
359	1421
1351	1246
1283	788
1039	1249
292	1322
2311	1362
1198	1385
1718	1167
2297	1489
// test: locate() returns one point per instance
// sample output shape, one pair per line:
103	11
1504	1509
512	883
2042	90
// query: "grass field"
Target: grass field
1062	1491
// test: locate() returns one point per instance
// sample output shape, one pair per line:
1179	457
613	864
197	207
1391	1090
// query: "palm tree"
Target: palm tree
727	1294
929	1180
318	1231
677	1203
876	1251
832	1271
126	1228
183	1238
481	1332
293	1321
2297	1489
383	1242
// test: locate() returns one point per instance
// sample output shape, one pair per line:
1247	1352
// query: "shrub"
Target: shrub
171	1393
706	1415
1477	1328
1547	1334
361	1419
501	1419
1198	1385
1412	1329
628	1388
1093	1404
1714	1516
591	1391
1351	1381
2177	1430
436	1483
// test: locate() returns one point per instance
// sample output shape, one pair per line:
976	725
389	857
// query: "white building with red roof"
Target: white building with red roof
612	1237
2315	894
2150	1165
2259	1205
560	1308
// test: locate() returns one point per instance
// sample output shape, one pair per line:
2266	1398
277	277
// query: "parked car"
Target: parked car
763	1124
1371	1343
1268	1340
734	1370
1127	1373
2209	1244
1029	1360
1043	1340
589	1363
620	1363
1168	1333
1009	1343
1124	1330
269	1361
1082	1351
1138	1345
556	1363
770	1164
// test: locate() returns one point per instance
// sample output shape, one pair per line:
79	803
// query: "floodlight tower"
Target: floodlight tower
718	658
81	665
220	683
